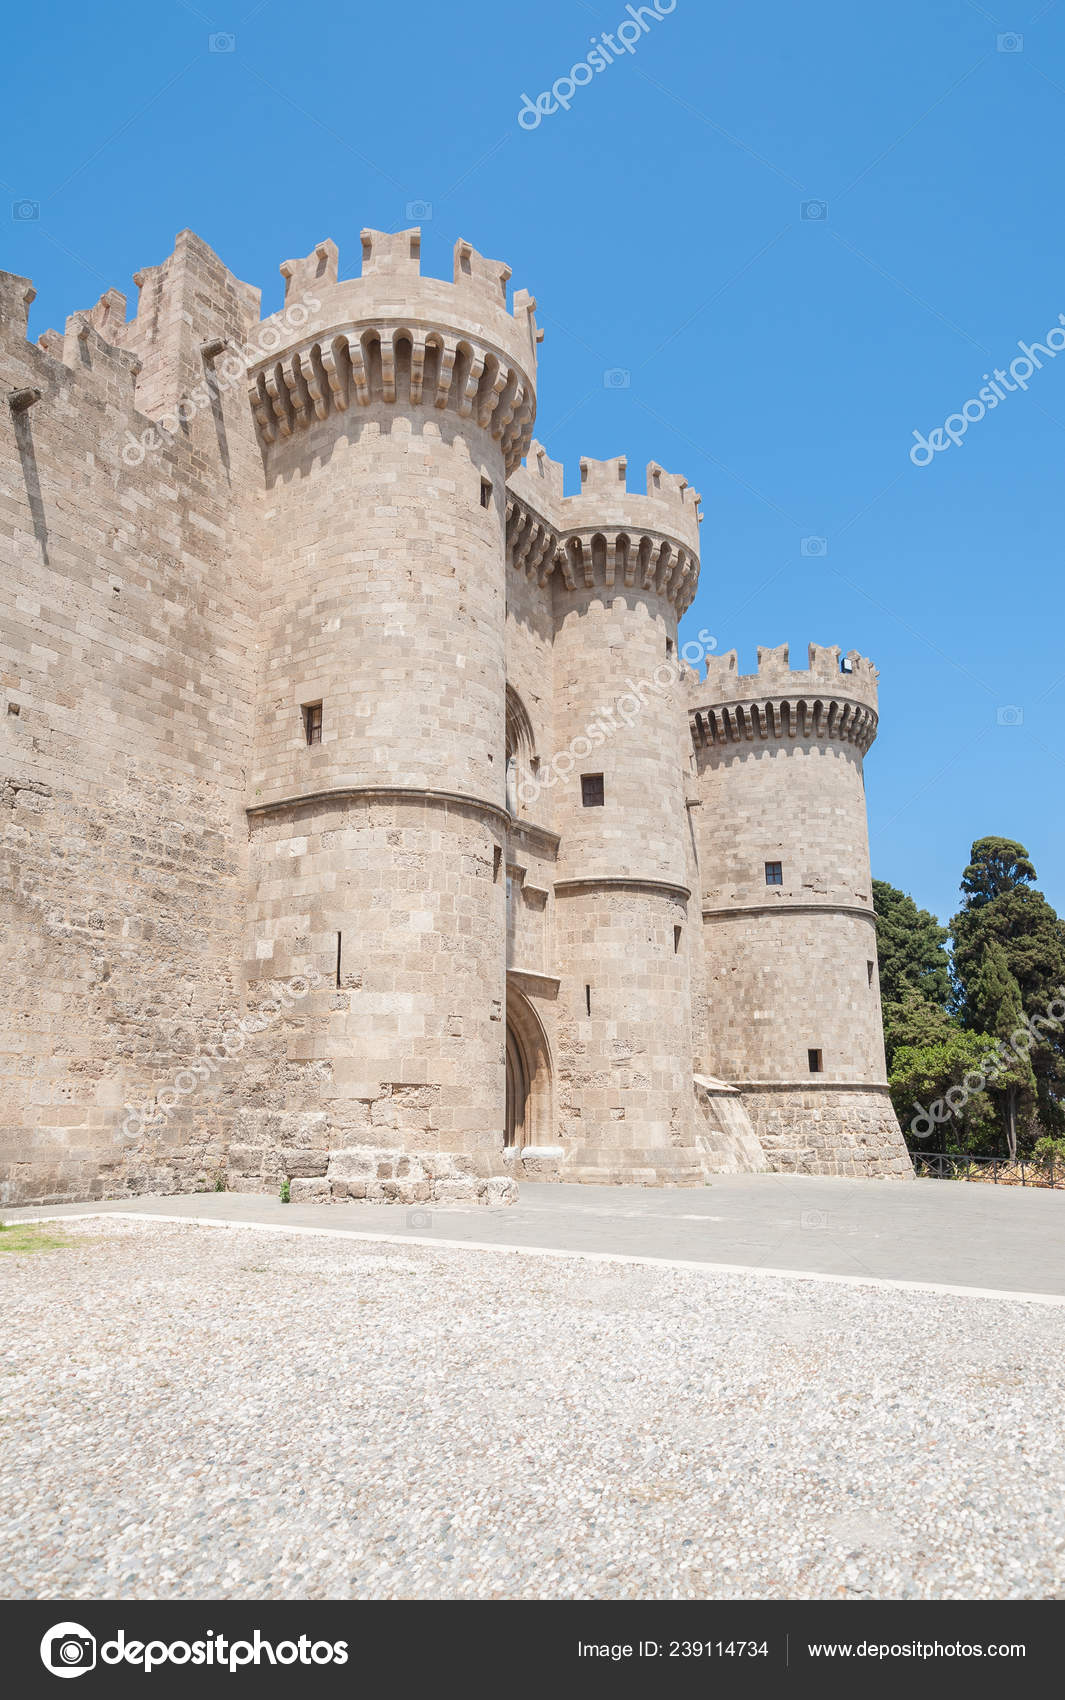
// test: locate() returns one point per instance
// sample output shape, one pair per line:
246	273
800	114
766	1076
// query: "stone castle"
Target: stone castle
362	825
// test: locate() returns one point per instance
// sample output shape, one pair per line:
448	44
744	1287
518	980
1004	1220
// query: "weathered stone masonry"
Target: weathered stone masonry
304	654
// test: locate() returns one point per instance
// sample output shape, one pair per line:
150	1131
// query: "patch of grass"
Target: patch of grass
31	1236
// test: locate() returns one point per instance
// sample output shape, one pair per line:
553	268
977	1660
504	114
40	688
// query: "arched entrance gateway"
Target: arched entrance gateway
517	1093
529	1110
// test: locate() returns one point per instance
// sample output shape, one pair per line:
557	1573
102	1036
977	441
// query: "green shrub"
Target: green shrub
1049	1153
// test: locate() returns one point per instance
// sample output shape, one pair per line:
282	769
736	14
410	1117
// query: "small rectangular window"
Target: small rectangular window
338	959
486	493
816	1062
869	968
592	793
312	722
676	939
588	999
774	873
669	646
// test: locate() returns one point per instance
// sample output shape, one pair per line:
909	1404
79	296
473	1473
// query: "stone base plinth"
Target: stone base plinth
827	1130
389	1176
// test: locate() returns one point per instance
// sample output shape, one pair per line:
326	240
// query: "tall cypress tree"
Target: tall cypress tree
995	1002
998	865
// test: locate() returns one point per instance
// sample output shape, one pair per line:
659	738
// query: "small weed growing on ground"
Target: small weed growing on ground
286	1193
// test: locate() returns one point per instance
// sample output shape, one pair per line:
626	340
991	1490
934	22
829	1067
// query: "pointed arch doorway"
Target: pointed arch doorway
529	1111
517	1093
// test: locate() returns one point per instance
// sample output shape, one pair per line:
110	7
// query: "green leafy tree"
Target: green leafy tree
911	946
998	865
1001	909
931	1058
914	1021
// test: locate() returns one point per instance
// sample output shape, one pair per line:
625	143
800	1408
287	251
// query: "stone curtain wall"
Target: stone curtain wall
127	610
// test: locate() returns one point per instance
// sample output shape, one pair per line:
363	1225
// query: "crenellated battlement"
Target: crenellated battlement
605	536
723	682
317	270
388	335
393	336
190	297
84	356
829	698
669	504
107	318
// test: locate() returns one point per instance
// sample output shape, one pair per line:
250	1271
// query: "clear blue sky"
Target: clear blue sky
782	363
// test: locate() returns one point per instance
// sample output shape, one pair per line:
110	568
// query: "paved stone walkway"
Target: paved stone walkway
936	1232
233	1412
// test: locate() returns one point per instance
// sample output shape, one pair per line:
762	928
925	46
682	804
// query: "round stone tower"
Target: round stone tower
390	410
789	934
626	570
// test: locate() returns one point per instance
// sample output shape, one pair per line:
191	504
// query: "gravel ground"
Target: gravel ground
209	1413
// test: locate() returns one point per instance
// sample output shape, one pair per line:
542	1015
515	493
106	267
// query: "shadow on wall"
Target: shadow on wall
218	417
24	439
